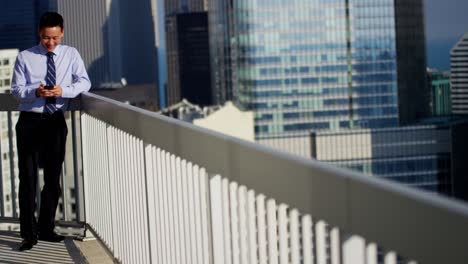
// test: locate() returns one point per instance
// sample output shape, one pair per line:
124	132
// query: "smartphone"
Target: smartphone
49	87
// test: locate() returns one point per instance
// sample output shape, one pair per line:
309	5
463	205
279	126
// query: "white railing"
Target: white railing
158	190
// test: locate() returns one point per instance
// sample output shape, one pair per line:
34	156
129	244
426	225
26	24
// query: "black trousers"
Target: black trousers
39	137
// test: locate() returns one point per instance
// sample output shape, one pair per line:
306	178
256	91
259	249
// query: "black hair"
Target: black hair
51	19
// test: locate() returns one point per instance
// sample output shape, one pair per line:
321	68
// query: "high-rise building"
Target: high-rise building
19	22
117	40
322	65
459	76
8	168
194	58
220	25
428	156
176	46
439	82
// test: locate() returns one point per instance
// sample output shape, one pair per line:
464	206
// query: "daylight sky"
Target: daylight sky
446	22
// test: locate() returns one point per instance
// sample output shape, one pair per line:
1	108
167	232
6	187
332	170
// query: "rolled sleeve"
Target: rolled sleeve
81	82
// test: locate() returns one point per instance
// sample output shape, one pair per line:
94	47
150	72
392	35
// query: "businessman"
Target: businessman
45	78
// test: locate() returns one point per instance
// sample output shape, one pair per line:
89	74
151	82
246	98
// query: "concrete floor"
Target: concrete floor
68	251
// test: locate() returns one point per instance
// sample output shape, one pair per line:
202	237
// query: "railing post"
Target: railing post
146	150
12	165
2	195
76	168
217	220
84	147
354	250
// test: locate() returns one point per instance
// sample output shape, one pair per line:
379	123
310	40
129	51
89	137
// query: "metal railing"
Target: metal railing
71	175
158	190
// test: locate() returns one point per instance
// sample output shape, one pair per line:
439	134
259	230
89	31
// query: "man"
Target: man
45	77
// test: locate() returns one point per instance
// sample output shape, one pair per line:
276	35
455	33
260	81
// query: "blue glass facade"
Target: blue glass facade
305	65
430	172
418	156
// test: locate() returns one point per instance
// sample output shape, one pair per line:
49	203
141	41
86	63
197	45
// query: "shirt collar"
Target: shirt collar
43	51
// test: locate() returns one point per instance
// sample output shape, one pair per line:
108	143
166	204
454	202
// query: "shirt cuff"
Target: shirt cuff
30	93
67	92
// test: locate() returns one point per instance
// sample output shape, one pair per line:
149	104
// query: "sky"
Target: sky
446	22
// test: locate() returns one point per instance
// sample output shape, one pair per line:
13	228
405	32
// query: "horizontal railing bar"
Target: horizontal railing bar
9	103
396	217
9	220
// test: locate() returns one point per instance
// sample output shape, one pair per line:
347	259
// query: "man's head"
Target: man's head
50	30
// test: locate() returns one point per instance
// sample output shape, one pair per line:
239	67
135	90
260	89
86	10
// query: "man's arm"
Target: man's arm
19	87
81	82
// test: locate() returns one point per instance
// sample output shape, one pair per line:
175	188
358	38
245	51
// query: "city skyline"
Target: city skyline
323	66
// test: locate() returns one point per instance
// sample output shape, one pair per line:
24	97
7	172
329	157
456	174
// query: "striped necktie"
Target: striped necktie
50	80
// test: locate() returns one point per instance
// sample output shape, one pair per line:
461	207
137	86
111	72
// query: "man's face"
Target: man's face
50	37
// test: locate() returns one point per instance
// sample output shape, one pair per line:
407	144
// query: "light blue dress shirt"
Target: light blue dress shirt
31	69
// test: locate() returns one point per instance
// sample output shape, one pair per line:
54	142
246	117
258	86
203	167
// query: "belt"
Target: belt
45	115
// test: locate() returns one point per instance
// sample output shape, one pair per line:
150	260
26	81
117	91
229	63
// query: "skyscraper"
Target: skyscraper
116	39
459	76
19	22
220	32
174	45
418	156
322	65
194	58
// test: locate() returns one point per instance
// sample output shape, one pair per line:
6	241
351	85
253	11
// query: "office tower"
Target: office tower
116	39
459	76
426	156
439	82
194	58
323	65
8	157
220	32
93	27
176	47
19	22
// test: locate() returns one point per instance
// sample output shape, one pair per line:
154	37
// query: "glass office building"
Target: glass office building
429	156
19	22
306	65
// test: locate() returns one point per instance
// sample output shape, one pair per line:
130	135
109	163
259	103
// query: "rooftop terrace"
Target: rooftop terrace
157	190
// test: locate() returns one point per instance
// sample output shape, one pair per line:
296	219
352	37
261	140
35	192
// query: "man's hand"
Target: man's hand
54	92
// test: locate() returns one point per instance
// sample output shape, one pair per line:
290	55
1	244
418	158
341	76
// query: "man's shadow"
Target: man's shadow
10	254
9	239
